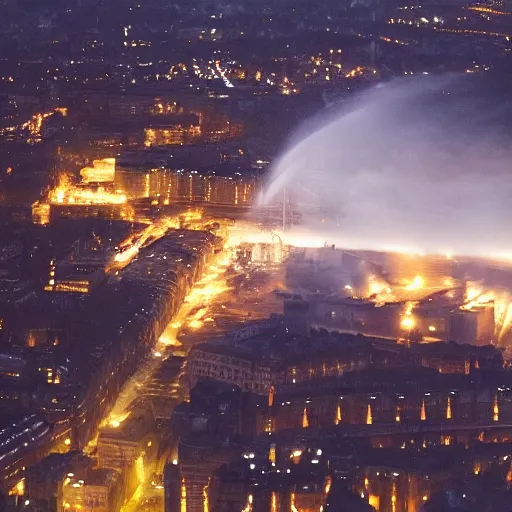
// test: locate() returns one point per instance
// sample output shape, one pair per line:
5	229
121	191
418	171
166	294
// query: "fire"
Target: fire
101	171
379	290
116	420
407	323
477	296
131	246
67	193
416	284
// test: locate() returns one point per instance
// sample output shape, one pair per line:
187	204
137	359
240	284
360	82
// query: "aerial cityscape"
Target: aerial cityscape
254	256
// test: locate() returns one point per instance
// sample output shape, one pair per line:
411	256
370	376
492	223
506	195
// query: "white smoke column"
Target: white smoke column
419	164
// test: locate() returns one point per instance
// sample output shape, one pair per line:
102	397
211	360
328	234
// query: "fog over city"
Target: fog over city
419	164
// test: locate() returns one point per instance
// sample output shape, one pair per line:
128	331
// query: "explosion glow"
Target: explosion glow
408	168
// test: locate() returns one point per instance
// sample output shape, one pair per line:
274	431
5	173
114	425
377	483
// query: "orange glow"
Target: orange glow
328	483
374	501
206	500
337	419
248	505
449	409
423	414
115	420
273	502
305	421
183	497
407	323
272	453
357	71
416	284
18	489
271	392
67	193
369	418
101	171
495	409
293	507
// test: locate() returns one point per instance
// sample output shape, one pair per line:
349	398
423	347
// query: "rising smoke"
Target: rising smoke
421	164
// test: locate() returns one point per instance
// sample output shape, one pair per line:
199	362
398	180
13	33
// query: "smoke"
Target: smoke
422	165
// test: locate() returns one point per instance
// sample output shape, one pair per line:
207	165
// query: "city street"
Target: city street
227	296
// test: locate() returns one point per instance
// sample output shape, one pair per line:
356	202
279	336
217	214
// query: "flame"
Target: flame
183	496
423	414
67	193
131	246
273	502
416	284
407	323
328	483
477	296
101	171
305	420
337	419
206	500
369	418
115	420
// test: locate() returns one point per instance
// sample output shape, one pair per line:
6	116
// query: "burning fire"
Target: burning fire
67	193
101	171
408	323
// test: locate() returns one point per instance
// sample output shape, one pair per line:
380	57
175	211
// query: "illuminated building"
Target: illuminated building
175	135
198	458
425	397
172	187
97	491
82	271
44	479
122	440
